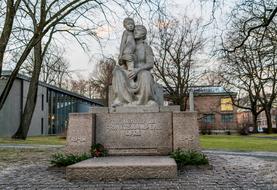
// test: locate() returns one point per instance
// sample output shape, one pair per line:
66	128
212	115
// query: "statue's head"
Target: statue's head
129	24
140	32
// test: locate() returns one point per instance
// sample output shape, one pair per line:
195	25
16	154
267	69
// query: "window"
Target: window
208	118
42	102
47	95
41	125
227	118
226	104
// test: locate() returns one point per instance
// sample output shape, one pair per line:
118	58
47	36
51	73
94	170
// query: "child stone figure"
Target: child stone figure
127	45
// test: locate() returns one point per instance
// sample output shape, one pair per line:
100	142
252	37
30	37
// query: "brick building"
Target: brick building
216	114
245	119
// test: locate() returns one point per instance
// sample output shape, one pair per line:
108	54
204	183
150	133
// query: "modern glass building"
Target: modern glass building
60	104
51	112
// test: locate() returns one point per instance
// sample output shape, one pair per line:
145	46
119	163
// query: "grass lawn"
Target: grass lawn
11	156
264	135
257	142
48	140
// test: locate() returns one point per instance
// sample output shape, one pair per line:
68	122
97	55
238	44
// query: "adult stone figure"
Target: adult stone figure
144	90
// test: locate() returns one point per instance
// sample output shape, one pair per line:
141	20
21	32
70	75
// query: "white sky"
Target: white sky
83	63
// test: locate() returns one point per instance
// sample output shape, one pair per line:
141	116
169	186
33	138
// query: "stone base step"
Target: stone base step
123	167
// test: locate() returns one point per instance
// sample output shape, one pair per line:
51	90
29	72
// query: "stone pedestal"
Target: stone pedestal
185	131
80	133
119	168
134	133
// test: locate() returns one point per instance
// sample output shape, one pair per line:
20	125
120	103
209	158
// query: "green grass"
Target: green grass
46	140
239	143
264	135
218	142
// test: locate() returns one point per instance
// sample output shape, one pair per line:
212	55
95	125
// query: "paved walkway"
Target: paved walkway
230	170
272	155
29	146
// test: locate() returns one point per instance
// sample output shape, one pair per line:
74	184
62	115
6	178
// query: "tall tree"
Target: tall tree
176	46
55	12
237	75
101	78
251	65
30	104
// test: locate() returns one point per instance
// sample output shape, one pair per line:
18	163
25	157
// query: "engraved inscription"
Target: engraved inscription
135	131
133	127
78	139
78	136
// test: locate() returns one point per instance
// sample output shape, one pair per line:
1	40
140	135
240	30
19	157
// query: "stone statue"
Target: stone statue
135	86
127	45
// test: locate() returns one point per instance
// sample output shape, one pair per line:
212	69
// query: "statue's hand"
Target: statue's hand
133	74
120	61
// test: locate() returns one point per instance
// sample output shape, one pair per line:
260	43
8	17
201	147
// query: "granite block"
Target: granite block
185	131
80	132
127	167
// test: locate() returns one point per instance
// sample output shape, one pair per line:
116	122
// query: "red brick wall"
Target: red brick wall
211	104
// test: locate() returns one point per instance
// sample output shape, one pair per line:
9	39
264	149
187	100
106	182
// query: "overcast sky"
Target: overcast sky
83	62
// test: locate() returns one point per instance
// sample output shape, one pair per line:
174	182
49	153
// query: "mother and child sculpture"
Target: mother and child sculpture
133	83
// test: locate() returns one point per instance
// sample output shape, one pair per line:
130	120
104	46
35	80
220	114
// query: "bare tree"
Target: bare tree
59	73
238	76
39	21
98	82
251	68
79	86
54	67
50	15
101	78
39	53
176	46
262	14
211	77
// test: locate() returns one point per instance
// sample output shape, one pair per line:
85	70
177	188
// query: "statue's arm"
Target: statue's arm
148	65
122	44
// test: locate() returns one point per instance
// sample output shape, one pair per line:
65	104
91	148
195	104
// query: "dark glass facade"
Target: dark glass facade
59	106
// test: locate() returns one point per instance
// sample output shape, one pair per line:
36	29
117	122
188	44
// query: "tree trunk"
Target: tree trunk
7	30
12	78
268	120
255	122
181	102
31	101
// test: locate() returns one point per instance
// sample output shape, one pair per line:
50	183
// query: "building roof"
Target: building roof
24	77
210	90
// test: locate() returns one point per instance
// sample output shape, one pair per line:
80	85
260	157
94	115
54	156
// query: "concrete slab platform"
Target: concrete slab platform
123	167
